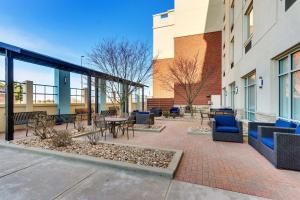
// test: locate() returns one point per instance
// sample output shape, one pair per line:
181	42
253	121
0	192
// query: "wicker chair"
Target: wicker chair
226	128
278	142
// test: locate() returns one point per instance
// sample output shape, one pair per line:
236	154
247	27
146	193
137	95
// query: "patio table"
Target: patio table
113	121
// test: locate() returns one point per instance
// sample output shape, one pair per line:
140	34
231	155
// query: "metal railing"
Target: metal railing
19	94
44	94
77	95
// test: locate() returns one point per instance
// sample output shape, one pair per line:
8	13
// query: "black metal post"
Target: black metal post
9	96
89	100
143	99
96	95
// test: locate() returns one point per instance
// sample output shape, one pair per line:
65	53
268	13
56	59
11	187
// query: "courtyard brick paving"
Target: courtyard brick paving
229	166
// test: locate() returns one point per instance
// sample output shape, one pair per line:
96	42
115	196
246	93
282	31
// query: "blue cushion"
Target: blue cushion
225	120
227	129
268	141
298	130
143	113
175	110
284	124
253	134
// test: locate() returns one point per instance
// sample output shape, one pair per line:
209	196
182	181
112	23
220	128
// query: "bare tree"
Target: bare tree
124	59
188	77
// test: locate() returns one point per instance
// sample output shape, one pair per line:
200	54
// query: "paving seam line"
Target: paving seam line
168	190
25	167
74	185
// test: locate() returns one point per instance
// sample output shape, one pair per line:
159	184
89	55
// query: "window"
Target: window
231	15
232	95
289	3
284	93
224	96
289	87
249	22
164	16
232	53
250	96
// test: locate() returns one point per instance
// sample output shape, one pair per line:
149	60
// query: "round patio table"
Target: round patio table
113	121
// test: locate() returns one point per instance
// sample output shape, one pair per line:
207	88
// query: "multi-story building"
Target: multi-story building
261	58
193	27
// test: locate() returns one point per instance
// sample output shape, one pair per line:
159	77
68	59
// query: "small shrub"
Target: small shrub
43	126
94	138
61	139
79	125
166	114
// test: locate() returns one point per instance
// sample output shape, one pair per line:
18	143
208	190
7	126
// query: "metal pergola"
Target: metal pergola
12	52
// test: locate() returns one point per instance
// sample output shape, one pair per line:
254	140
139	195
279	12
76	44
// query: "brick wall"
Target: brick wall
163	103
208	46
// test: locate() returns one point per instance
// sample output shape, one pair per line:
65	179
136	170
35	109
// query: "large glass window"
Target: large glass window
289	87
284	94
232	95
250	21
250	97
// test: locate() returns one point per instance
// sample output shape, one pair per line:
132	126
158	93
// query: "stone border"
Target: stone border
165	172
197	132
150	130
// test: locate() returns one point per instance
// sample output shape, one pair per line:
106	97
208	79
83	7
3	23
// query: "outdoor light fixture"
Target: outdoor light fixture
236	90
65	79
260	82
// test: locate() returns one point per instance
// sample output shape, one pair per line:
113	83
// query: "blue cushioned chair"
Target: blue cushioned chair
279	142
226	128
175	112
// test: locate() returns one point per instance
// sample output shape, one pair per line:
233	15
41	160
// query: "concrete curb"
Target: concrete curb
150	130
164	172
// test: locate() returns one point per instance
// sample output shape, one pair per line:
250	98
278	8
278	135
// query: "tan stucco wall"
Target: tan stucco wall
159	70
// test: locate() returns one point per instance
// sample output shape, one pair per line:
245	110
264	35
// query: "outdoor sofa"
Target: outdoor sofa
278	142
226	128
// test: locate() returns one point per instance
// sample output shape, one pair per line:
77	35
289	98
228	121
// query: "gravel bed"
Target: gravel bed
129	154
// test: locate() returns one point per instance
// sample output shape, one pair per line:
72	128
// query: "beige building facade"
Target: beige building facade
261	58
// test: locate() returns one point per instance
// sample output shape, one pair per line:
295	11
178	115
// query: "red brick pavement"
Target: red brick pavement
229	166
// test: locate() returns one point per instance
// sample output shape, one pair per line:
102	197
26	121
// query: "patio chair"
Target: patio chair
144	118
127	125
156	111
204	115
175	112
226	128
101	124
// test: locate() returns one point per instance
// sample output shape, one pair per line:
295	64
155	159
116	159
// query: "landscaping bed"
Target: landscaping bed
129	154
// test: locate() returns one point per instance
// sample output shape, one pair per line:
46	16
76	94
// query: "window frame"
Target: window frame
247	85
289	72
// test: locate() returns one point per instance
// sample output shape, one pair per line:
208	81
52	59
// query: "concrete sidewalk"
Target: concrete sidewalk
32	176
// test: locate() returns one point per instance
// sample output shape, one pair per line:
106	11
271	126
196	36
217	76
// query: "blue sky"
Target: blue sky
68	29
